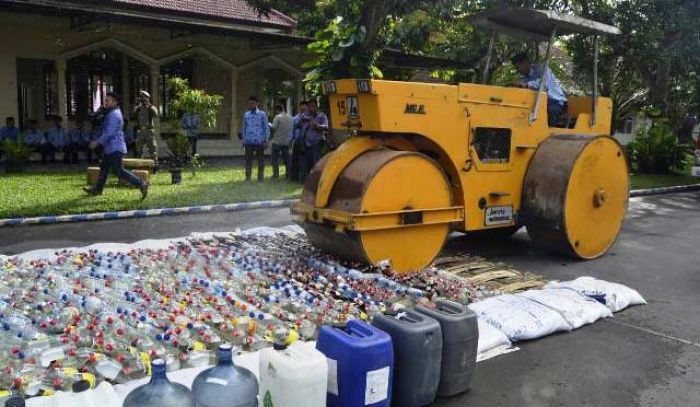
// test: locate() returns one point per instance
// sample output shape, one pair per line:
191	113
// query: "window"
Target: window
492	145
50	90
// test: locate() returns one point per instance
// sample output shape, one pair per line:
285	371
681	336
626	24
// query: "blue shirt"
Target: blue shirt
9	133
306	129
111	133
34	138
190	123
57	137
551	84
80	137
256	128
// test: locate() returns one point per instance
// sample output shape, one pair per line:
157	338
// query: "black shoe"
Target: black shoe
144	190
91	191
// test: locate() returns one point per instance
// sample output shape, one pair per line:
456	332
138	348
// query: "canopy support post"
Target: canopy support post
489	56
594	110
545	67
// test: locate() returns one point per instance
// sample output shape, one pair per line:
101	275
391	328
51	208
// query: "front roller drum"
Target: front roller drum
384	181
575	194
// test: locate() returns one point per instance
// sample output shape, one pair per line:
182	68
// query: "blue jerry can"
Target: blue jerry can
360	365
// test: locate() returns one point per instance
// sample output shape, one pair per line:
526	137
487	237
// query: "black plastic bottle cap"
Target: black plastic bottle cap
15	401
80	386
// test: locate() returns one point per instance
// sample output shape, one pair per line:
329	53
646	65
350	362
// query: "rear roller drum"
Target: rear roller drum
575	195
384	181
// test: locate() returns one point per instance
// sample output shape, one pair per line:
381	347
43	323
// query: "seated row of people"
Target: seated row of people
56	139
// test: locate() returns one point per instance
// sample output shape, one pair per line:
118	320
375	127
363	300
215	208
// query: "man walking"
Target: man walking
312	125
254	132
145	115
114	148
282	127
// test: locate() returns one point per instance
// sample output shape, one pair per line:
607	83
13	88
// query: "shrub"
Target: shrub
17	153
656	150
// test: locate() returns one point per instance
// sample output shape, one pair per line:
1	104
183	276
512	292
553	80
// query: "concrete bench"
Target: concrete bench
94	172
139	164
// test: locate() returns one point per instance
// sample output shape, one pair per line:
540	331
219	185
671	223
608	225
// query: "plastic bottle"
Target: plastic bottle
294	376
159	392
225	385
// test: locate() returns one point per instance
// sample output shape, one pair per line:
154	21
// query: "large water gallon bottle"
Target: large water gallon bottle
360	364
159	392
460	336
225	385
292	376
417	342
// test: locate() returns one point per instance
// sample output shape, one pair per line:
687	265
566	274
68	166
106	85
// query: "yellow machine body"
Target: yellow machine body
486	144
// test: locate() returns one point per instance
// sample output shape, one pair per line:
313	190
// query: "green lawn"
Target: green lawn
655	181
60	192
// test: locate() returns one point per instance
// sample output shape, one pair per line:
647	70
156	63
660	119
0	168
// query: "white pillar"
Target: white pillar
62	90
233	125
155	79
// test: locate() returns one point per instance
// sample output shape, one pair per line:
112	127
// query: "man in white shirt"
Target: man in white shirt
282	127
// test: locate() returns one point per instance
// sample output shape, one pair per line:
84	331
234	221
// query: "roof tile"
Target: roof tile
237	10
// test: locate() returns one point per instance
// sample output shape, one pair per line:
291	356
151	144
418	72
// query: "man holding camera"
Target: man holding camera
312	126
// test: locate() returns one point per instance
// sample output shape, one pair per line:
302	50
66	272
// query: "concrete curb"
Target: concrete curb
665	190
145	213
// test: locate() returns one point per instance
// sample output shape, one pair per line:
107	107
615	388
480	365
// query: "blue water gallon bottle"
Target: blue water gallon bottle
225	385
360	365
159	392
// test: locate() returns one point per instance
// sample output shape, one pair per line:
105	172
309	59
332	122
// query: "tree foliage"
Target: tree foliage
655	62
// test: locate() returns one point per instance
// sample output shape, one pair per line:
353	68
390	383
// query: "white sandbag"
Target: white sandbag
577	309
613	295
490	337
520	318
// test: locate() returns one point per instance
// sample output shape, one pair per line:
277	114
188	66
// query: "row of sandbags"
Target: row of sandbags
559	306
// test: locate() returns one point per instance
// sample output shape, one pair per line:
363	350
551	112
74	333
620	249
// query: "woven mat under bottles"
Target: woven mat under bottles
493	276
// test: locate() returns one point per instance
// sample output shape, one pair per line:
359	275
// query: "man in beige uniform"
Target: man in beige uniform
145	115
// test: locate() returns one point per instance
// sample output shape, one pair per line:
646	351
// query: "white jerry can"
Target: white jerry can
294	376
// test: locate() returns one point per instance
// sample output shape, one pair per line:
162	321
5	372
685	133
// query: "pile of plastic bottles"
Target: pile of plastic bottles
87	317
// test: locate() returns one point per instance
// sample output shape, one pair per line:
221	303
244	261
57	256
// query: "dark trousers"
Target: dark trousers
193	144
257	152
113	163
294	173
312	154
277	151
75	149
554	111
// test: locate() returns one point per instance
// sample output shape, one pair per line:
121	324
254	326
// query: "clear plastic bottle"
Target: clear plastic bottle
225	385
159	392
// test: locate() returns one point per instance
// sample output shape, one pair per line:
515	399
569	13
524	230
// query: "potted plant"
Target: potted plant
190	103
17	153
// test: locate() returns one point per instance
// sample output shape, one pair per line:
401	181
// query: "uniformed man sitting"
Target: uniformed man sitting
79	139
57	140
36	140
10	131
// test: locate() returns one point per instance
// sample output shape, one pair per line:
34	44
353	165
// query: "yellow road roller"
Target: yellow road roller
424	159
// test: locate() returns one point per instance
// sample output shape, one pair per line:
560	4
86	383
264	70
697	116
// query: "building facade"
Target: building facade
59	58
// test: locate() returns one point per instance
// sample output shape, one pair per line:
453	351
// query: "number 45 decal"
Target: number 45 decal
351	108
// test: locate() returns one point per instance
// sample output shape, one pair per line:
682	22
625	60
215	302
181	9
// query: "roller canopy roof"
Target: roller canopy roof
539	23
